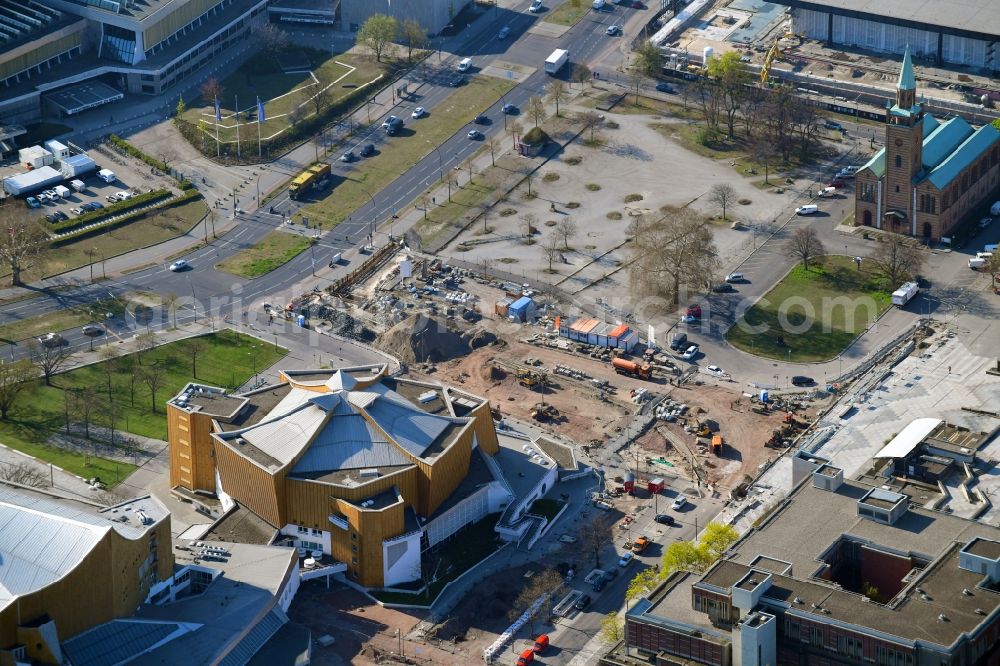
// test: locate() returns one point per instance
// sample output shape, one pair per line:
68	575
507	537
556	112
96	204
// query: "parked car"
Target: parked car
715	370
419	112
178	265
625	559
839	183
504	33
348	156
679	503
664	519
52	195
41	197
508	108
60	216
51	340
802	380
723	288
369	149
32	202
808	209
475	135
77	211
665	87
52	218
833	124
582	602
735	277
92	330
690	353
679	342
94	205
985	222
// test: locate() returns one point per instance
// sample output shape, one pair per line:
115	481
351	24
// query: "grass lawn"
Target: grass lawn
568	13
824	308
261	76
441	218
546	508
402	151
274	250
59	320
461	552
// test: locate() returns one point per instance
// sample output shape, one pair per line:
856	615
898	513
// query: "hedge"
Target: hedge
138	154
109	211
127	219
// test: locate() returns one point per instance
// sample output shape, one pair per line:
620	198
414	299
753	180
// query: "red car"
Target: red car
694	311
838	183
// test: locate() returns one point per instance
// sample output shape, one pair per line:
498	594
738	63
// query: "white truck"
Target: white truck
906	291
555	61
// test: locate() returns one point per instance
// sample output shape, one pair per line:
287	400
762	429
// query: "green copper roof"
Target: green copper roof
907	81
877	162
964	155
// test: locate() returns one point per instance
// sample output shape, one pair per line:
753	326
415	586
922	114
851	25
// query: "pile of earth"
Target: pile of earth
421	339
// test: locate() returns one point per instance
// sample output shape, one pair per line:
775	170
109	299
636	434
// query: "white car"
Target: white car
679	503
691	352
419	112
688	319
985	222
51	194
535	7
715	370
77	211
625	559
51	340
178	265
735	277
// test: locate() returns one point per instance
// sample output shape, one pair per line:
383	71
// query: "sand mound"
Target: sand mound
421	339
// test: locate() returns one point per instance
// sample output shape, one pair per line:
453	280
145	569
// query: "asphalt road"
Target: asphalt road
587	41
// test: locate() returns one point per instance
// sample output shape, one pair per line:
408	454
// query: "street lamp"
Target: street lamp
371	233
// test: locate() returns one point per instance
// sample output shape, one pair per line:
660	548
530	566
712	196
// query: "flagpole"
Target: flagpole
218	120
238	153
258	128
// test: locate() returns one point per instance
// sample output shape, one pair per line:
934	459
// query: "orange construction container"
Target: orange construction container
541	643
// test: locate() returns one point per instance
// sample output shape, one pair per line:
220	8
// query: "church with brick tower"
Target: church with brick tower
931	174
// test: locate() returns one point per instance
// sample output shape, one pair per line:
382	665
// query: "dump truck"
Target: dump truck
717	445
307	179
623	367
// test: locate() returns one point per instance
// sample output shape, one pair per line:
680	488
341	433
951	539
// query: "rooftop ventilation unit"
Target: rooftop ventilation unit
371	471
426	397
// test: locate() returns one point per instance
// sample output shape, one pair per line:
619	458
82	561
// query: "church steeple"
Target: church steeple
906	87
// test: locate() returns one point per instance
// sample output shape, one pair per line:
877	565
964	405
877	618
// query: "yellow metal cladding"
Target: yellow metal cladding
174	21
251	485
361	544
310	502
192	463
33	53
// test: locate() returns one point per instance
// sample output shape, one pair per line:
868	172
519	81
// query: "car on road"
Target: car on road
504	33
613	30
92	330
640	544
694	310
808	209
482	119
178	265
51	340
536	6
508	108
348	156
833	124
723	288
664	519
690	353
32	202
715	370
802	380
985	222
419	112
582	602
625	559
475	135
665	87
679	503
688	319
598	584
847	172
735	277
369	149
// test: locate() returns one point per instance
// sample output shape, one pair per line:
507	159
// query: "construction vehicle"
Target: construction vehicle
640	544
772	55
307	179
717	445
528	378
703	430
623	367
541	412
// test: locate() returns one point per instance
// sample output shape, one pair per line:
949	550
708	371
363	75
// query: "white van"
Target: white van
465	64
62	191
808	209
975	263
598	5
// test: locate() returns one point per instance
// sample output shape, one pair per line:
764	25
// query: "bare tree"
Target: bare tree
590	121
24	474
211	90
297	114
128	367
804	244
536	109
567	229
109	365
492	143
194	347
83	406
594	536
413	36
551	250
22	239
635	79
530	224
49	360
153	376
170	303
582	74
145	342
14	379
272	39
992	266
515	129
671	252
896	260
557	92
722	195
321	97
763	152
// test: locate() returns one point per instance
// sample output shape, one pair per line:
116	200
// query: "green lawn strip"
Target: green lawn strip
273	250
547	508
399	153
568	13
843	302
261	77
31	327
461	552
440	219
228	361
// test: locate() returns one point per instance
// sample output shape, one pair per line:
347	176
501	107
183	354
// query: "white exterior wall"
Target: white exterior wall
401	559
225	500
291	587
472	508
323	537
